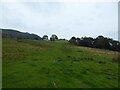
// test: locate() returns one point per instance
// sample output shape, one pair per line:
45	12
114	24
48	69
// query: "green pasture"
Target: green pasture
59	64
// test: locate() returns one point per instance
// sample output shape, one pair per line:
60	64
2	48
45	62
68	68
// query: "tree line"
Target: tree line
100	42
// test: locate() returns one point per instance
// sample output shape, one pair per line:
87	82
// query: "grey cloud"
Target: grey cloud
64	19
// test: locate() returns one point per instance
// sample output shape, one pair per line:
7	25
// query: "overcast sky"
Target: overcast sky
65	19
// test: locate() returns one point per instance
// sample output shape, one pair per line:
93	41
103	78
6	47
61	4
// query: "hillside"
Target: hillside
59	64
10	33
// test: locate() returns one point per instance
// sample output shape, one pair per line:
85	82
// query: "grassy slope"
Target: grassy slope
45	64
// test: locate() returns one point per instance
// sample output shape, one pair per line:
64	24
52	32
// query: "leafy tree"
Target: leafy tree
87	41
45	37
53	37
115	45
73	40
102	42
99	42
78	41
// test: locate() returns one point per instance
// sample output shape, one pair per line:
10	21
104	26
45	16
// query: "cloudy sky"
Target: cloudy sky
65	19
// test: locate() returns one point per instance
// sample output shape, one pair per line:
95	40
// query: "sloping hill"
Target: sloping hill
10	33
46	64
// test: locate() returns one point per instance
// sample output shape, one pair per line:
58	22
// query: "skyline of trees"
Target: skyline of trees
100	42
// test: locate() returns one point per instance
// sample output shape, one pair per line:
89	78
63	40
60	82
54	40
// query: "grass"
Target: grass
45	64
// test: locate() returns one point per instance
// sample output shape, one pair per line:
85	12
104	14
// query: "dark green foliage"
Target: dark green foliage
87	41
45	37
62	39
73	40
99	42
53	37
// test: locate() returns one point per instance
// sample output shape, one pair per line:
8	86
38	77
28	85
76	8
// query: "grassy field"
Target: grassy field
45	64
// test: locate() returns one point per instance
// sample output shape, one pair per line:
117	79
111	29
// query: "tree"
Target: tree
87	41
115	45
53	37
73	40
102	42
45	37
99	42
78	41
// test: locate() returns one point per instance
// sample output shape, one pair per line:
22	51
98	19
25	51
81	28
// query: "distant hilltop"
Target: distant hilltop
10	33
